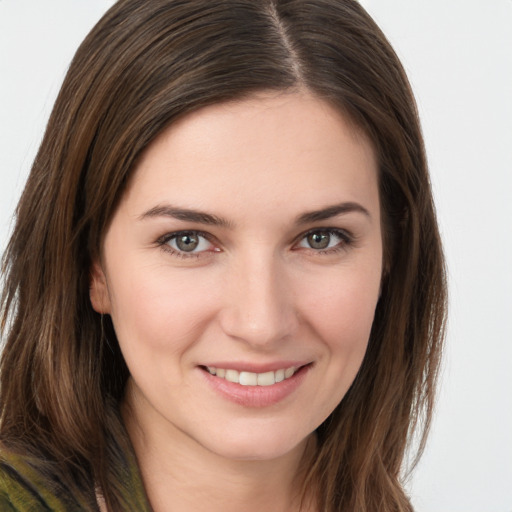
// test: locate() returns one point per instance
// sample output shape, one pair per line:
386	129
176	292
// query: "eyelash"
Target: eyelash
346	240
163	243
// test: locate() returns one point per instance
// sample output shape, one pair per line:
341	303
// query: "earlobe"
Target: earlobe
98	289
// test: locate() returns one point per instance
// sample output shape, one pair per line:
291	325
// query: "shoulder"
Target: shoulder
22	488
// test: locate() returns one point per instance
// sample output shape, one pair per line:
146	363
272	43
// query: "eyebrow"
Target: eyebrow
332	211
186	215
199	217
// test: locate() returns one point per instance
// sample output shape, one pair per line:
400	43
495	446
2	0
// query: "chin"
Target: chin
260	446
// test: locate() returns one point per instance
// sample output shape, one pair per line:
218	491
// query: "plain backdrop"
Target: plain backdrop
458	54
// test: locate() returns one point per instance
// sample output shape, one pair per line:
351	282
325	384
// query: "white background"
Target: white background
458	54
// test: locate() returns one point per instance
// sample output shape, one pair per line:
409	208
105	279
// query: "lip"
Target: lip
256	396
256	367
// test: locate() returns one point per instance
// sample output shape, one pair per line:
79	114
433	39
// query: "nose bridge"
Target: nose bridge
259	302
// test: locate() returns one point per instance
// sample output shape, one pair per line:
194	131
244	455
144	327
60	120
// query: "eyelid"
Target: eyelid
163	243
347	239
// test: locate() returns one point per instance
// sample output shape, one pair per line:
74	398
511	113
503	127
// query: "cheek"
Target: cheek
344	319
156	310
342	306
340	311
345	330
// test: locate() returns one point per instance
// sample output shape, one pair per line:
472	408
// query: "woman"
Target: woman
225	284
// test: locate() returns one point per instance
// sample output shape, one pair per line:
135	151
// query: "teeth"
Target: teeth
266	379
289	372
253	379
248	379
233	376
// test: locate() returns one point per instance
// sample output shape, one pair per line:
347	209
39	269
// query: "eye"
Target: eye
325	240
187	242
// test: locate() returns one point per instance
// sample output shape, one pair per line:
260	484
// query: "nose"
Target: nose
258	307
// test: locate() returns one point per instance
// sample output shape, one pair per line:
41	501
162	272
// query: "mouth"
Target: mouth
253	379
255	389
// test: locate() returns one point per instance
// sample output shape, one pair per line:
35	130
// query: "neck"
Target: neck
180	474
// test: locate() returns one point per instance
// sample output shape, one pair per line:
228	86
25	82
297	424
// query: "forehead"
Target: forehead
270	149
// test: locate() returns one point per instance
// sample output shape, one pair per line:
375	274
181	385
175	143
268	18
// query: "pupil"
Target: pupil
187	242
319	240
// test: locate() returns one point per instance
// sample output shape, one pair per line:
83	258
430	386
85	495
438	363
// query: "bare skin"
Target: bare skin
193	476
247	247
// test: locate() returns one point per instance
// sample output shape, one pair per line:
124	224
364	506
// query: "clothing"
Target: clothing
23	488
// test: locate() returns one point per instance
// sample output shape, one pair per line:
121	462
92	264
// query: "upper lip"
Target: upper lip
256	367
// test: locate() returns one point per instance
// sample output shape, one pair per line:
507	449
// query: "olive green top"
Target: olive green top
31	483
23	490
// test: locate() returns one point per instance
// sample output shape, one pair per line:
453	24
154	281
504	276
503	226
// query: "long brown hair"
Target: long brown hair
144	65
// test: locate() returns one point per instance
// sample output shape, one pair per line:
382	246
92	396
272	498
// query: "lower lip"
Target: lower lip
256	396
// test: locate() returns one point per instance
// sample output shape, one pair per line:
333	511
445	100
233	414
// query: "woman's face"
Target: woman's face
241	271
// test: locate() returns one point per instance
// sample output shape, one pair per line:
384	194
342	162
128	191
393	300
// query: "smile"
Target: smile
253	379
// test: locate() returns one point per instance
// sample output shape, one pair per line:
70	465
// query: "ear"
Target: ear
98	289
